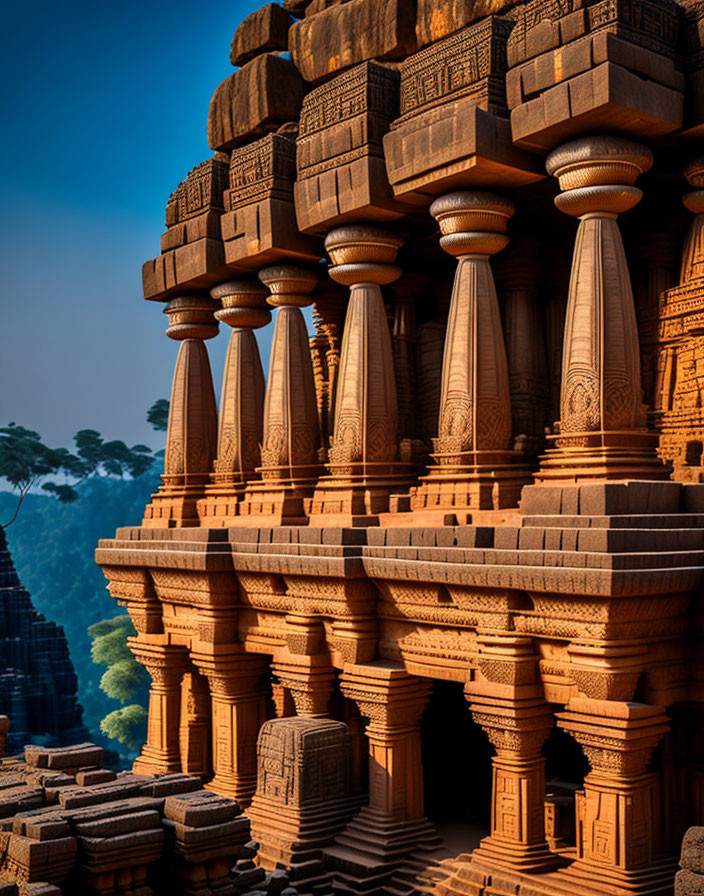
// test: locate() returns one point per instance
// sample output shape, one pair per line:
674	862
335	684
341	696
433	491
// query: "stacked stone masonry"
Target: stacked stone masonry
37	680
426	602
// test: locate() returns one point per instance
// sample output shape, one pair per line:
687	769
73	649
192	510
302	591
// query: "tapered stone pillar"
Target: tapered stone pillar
392	825
693	253
192	429
517	729
329	318
241	403
602	432
474	467
618	815
291	441
520	280
362	460
238	712
166	665
194	725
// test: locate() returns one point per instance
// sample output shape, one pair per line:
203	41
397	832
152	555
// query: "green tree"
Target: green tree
25	462
124	680
158	415
127	725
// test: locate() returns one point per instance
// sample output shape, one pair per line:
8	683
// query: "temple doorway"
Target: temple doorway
456	758
565	769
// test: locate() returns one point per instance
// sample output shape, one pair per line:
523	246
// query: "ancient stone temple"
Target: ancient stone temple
37	680
425	599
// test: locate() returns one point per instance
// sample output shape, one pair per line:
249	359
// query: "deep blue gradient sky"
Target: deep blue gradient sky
103	108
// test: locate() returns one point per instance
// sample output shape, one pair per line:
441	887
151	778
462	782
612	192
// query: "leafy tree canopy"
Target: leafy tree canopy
124	680
126	725
26	462
111	648
158	415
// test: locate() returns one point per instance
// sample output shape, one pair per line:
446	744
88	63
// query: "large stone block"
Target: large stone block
451	131
259	226
605	98
339	153
525	81
606	66
543	25
263	30
436	19
258	98
694	66
343	35
192	255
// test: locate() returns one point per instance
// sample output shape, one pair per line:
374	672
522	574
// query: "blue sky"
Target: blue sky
104	109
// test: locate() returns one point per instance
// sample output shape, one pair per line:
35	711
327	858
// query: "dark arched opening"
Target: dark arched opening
456	758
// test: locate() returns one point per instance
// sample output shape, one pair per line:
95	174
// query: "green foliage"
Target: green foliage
53	547
106	626
126	725
158	415
25	461
123	680
111	648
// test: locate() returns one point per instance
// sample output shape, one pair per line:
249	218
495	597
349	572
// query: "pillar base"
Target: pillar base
173	508
220	508
602	456
147	764
355	494
239	788
486	481
584	877
494	852
295	834
469	876
277	502
369	850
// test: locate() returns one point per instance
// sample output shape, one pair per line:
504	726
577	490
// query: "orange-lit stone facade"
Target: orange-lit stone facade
427	597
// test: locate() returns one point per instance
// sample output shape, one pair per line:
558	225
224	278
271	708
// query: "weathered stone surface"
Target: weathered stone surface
258	98
694	66
606	97
263	30
259	225
438	18
452	131
192	255
544	25
37	680
320	45
692	855
339	154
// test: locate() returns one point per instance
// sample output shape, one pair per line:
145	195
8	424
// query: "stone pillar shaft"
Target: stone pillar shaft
291	436
517	729
474	467
617	812
238	712
362	460
241	403
192	428
165	665
602	432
